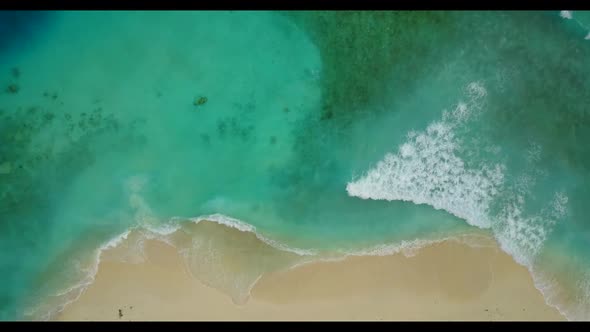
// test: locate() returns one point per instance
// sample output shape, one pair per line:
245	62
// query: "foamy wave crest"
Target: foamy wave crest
407	248
573	304
411	248
62	298
567	14
145	217
246	227
427	170
114	242
226	221
522	235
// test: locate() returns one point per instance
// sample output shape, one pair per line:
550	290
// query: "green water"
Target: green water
323	130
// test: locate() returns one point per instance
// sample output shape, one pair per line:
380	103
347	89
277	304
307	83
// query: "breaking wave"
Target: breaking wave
429	168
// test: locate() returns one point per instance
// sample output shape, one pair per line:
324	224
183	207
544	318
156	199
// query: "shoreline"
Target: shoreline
447	280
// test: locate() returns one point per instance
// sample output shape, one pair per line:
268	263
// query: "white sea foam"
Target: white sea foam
427	169
567	14
412	247
114	242
226	221
89	271
574	307
147	220
246	227
72	293
164	229
437	136
523	236
147	231
407	248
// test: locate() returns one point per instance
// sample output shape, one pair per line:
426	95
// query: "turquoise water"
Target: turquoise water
319	131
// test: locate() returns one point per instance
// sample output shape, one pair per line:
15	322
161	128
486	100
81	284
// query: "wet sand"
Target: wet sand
444	281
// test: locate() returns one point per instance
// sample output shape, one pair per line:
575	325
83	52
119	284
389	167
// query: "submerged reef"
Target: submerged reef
27	160
362	51
43	148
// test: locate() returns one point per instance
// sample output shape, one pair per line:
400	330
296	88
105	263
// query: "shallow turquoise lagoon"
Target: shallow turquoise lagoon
321	132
